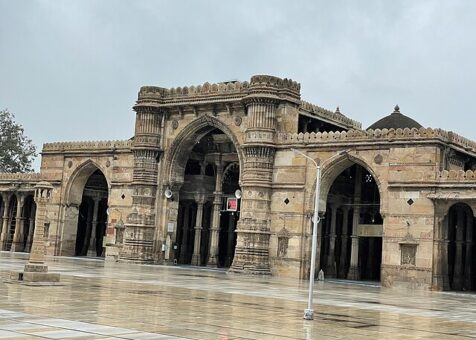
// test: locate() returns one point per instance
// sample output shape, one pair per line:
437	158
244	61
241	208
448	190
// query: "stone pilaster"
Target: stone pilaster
17	242
331	260
457	283
92	241
5	220
468	265
198	234
146	148
440	254
185	232
354	271
344	240
215	227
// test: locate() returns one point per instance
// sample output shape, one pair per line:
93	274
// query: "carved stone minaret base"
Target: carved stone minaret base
140	223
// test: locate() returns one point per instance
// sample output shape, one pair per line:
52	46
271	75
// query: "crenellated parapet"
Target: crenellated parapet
456	175
329	115
186	93
81	146
376	135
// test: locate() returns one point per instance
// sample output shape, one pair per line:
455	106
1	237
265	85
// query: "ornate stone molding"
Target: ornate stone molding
104	145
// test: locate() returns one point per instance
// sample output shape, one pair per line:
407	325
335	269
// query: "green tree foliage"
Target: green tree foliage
17	151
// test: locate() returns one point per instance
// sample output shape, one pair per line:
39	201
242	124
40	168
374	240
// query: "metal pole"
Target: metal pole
309	312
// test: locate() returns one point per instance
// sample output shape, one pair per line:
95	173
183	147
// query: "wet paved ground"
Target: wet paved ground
119	301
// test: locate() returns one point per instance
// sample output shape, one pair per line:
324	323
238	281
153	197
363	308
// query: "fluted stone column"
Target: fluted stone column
17	243
146	148
198	234
468	264
94	224
458	263
5	220
253	230
215	227
354	271
331	261
344	239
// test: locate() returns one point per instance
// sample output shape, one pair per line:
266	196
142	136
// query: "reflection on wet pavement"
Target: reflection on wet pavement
101	300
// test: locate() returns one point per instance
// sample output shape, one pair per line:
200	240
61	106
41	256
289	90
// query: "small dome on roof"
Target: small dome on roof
395	120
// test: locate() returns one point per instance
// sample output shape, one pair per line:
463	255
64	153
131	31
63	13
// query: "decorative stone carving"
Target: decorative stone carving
283	241
408	247
237	120
378	159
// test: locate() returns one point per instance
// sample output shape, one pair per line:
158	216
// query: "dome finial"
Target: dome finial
396	109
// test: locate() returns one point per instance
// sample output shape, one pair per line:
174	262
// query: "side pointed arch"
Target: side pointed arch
77	181
330	169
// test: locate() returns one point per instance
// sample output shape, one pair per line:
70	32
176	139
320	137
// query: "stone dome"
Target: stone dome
395	120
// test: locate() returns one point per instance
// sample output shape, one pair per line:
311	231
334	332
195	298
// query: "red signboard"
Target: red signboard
232	204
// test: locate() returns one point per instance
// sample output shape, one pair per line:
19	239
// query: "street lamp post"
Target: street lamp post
309	312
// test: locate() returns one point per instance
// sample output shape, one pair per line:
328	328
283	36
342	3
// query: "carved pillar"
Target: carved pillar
146	148
5	219
185	232
344	239
215	227
17	243
354	271
440	254
36	263
468	273
31	229
94	225
87	232
198	233
331	262
458	264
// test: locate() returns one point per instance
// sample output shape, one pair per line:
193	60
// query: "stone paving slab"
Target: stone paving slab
122	301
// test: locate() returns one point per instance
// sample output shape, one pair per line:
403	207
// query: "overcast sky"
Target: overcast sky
70	70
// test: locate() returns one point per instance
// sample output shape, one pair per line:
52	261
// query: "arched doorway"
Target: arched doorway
351	231
92	218
85	212
461	254
205	223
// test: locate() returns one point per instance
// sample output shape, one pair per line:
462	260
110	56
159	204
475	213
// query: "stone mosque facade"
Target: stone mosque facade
211	178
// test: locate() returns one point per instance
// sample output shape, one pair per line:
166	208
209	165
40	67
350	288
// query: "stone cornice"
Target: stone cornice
28	176
82	146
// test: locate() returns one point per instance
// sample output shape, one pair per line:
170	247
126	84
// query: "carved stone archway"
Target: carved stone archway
176	157
73	196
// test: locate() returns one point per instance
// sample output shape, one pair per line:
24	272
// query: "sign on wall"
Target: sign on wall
231	204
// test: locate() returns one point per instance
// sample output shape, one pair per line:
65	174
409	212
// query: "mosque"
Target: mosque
224	175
